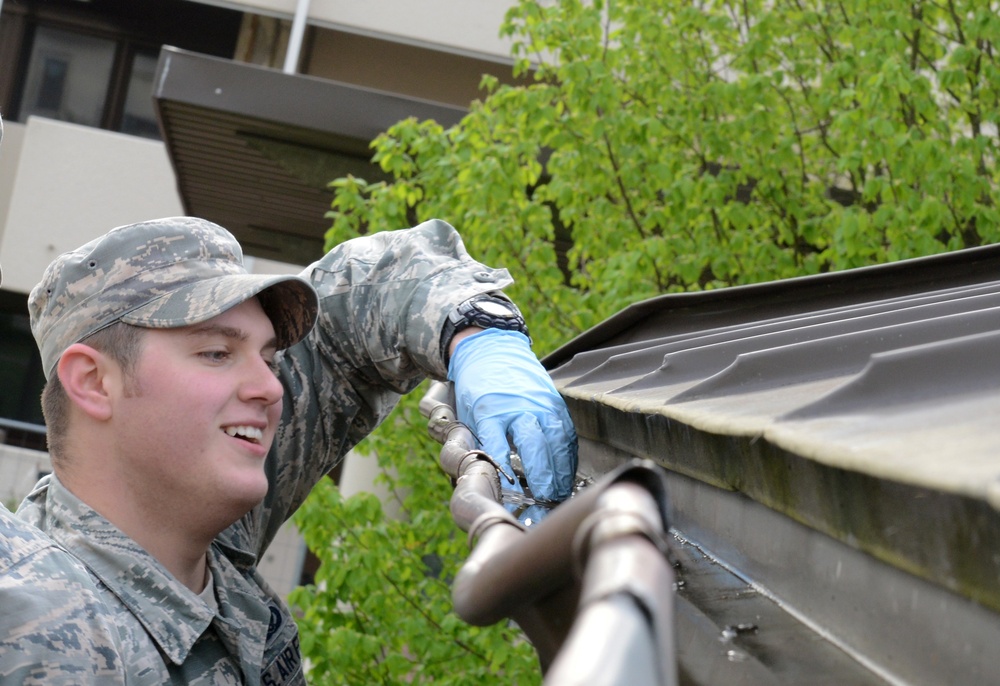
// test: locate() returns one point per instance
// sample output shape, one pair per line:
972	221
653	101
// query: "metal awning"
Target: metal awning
254	148
834	441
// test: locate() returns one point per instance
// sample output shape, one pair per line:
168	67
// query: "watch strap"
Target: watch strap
486	310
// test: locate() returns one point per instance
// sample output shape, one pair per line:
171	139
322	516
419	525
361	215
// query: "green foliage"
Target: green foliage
672	145
380	609
692	145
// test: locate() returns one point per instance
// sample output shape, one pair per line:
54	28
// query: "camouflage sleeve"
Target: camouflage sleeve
384	299
53	627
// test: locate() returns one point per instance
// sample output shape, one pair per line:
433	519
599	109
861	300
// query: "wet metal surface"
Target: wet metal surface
823	611
730	633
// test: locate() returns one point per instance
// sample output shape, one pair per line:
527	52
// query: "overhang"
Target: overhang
254	149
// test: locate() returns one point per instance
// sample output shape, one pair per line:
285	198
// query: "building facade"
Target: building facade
101	100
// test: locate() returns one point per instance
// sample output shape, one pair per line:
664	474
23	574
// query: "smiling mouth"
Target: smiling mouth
250	434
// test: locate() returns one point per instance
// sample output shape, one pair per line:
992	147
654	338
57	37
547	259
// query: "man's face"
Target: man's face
194	428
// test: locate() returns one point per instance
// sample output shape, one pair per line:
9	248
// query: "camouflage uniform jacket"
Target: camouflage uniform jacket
52	626
384	299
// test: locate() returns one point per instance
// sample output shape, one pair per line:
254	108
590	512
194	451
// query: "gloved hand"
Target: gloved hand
501	390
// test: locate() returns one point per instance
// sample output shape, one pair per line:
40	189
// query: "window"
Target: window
92	63
68	77
138	117
21	374
50	91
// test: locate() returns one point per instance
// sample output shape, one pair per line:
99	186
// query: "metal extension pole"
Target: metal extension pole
591	582
623	632
295	37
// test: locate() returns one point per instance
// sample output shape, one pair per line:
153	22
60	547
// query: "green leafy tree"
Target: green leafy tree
660	146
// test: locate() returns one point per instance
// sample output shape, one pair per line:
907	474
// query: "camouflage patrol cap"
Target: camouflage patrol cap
159	274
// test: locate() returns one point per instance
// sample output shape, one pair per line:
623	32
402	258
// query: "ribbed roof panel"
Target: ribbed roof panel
811	395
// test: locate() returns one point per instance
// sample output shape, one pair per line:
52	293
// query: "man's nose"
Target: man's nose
260	383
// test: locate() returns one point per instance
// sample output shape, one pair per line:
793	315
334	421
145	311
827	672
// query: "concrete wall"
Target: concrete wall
20	468
463	26
71	184
10	154
400	68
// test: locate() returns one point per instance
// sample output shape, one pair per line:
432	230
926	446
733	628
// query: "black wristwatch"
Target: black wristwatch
487	310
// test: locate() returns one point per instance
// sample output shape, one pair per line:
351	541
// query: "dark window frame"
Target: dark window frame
135	28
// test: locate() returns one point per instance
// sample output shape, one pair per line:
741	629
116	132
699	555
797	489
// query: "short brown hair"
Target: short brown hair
122	343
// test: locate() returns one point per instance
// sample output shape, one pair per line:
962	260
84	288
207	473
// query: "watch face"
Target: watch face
494	308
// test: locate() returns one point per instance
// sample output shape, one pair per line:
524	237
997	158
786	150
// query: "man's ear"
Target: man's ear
87	375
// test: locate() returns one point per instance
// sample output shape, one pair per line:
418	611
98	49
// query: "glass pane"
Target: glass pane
20	370
68	77
138	118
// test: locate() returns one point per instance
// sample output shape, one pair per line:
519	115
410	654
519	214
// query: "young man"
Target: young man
191	407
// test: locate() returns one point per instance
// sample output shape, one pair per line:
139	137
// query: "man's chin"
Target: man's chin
242	497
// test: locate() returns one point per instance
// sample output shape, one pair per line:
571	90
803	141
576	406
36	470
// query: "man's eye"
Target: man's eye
215	355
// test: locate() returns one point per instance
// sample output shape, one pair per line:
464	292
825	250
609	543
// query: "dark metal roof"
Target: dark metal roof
254	148
835	438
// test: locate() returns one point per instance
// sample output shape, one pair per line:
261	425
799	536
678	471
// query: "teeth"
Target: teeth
249	432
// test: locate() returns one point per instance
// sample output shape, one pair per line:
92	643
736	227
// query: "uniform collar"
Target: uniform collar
174	619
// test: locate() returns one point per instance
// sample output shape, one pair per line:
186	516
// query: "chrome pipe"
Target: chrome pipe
602	553
298	29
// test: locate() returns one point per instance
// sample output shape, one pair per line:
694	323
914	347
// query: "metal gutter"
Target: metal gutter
832	440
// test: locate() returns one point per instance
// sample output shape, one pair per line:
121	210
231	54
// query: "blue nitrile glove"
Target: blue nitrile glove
501	390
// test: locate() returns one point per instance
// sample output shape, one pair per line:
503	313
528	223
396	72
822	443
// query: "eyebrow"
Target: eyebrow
229	332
